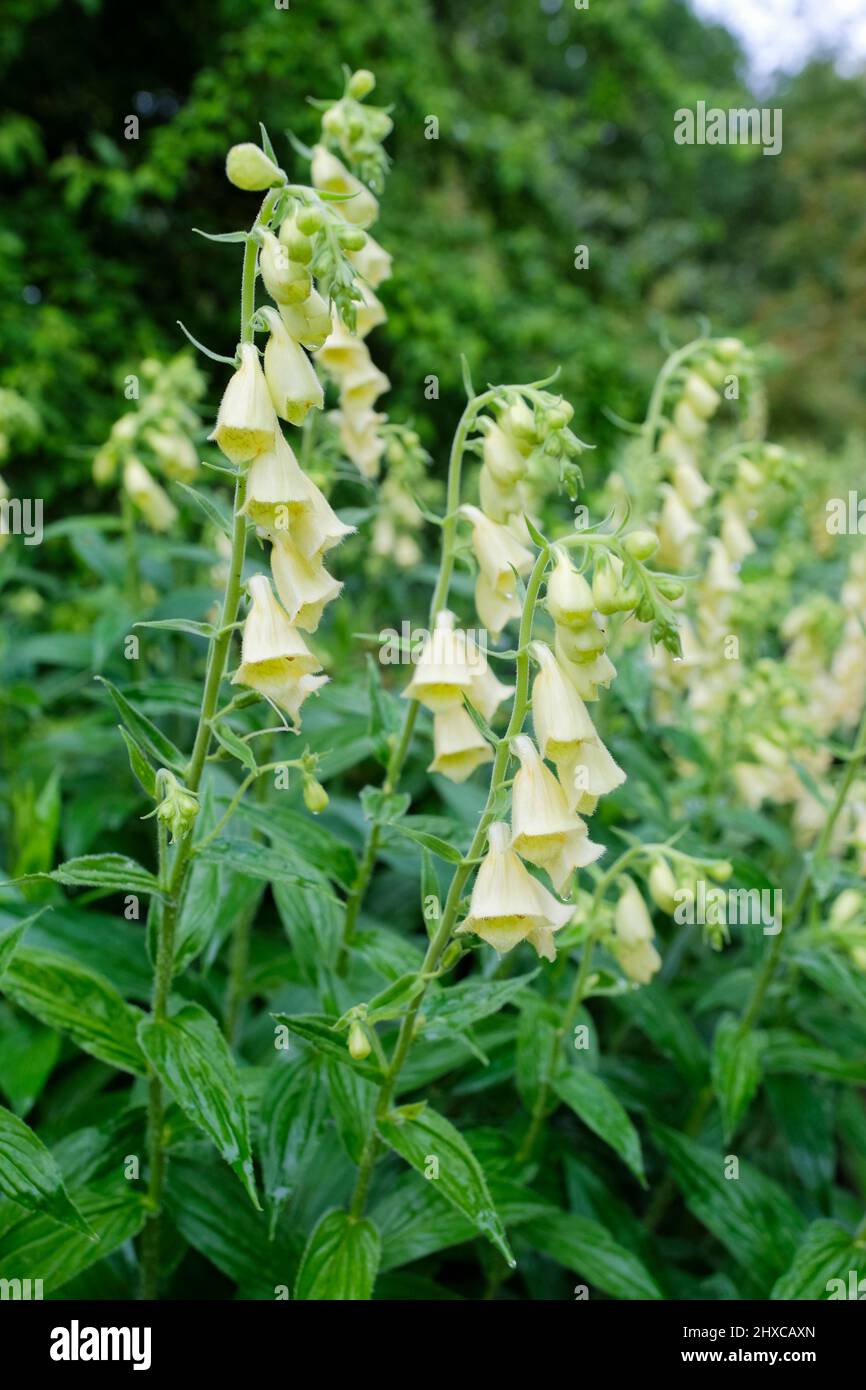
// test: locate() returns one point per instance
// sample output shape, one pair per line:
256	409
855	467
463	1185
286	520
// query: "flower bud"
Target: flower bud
703	400
729	348
316	799
351	238
631	917
662	885
720	870
309	220
641	544
359	1044
668	586
249	168
361	84
298	247
285	280
179	806
607	584
569	597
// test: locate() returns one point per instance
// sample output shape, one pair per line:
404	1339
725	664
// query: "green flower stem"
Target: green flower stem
400	752
173	878
674	362
460	877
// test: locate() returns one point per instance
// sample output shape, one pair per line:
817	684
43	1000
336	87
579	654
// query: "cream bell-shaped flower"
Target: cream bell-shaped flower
692	488
176	455
278	492
373	262
285	280
272	651
343	353
309	322
246	423
442	674
369	312
508	905
360	208
543	830
148	496
290	375
505	463
677	529
585	676
735	535
486	690
360	438
359	391
494	609
303	586
633	944
592	774
497	502
458	744
497	550
318	528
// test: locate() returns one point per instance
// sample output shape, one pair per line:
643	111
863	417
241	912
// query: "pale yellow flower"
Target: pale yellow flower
291	377
246	423
458	744
304	586
544	831
278	492
442	674
148	496
329	173
508	905
498	552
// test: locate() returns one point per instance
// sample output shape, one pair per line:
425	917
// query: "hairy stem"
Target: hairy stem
173	877
400	751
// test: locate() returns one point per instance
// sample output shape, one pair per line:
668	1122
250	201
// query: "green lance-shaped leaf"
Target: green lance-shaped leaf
12	935
31	1177
38	1248
421	1138
823	1265
462	1005
736	1070
76	1001
116	873
293	1109
144	731
340	1261
596	1105
191	1057
591	1252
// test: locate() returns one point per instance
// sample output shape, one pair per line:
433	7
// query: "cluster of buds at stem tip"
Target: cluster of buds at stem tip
177	807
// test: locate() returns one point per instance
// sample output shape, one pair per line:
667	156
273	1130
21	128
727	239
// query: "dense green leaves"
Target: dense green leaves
588	1250
736	1070
828	1261
340	1261
432	1145
594	1103
30	1176
78	1002
190	1055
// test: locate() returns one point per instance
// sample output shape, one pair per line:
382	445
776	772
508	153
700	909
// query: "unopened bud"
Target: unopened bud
316	799
249	168
641	544
179	807
662	885
352	238
359	1044
668	586
309	220
361	84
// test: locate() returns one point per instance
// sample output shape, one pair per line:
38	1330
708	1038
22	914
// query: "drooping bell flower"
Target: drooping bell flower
278	492
543	829
246	423
498	551
569	599
148	496
486	691
459	747
633	944
274	655
508	905
290	375
304	587
373	262
286	281
359	207
442	674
